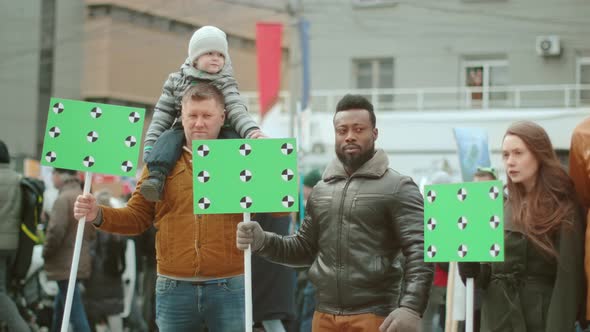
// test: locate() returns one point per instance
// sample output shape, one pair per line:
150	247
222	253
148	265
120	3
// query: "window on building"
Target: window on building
481	75
583	78
374	74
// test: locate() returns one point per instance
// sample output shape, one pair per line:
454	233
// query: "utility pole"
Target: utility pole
294	9
46	64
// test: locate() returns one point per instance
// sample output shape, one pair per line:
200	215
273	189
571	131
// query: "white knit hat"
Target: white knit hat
207	39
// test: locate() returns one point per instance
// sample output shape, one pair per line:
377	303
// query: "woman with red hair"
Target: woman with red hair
539	286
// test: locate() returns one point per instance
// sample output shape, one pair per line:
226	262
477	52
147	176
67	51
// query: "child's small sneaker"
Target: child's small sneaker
151	188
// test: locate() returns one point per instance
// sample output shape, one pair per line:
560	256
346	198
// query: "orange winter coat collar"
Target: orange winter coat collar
187	245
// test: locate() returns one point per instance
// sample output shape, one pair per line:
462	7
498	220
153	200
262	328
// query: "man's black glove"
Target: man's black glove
469	270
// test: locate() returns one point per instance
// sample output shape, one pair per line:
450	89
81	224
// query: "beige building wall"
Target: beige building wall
429	40
130	62
111	58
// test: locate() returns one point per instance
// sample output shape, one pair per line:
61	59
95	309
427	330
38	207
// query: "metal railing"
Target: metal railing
448	98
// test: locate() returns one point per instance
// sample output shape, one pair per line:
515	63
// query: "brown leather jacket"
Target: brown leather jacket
187	245
354	229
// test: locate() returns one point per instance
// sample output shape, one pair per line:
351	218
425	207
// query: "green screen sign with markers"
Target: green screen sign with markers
464	222
245	175
92	137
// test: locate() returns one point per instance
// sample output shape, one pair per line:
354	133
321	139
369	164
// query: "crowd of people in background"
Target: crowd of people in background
354	262
539	287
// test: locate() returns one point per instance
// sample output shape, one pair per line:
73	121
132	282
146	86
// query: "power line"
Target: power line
279	9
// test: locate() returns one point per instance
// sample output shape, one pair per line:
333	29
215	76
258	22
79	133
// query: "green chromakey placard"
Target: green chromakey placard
245	175
464	222
92	137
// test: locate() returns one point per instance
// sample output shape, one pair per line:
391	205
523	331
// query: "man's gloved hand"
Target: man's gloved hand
469	270
249	233
401	319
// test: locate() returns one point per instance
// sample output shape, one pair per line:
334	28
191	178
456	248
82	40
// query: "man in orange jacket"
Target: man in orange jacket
200	270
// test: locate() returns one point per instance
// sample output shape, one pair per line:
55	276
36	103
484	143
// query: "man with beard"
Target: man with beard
358	219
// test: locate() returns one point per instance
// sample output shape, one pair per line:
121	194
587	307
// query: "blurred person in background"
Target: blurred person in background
104	289
58	249
10	216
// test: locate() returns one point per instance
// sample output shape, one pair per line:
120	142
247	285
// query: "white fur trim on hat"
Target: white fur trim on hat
207	39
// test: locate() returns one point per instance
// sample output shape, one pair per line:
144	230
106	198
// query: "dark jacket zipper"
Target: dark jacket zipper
338	244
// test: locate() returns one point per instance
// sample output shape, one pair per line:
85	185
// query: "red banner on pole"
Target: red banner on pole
268	50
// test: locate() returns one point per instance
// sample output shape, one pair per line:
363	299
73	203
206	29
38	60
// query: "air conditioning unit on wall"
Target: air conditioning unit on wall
548	46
